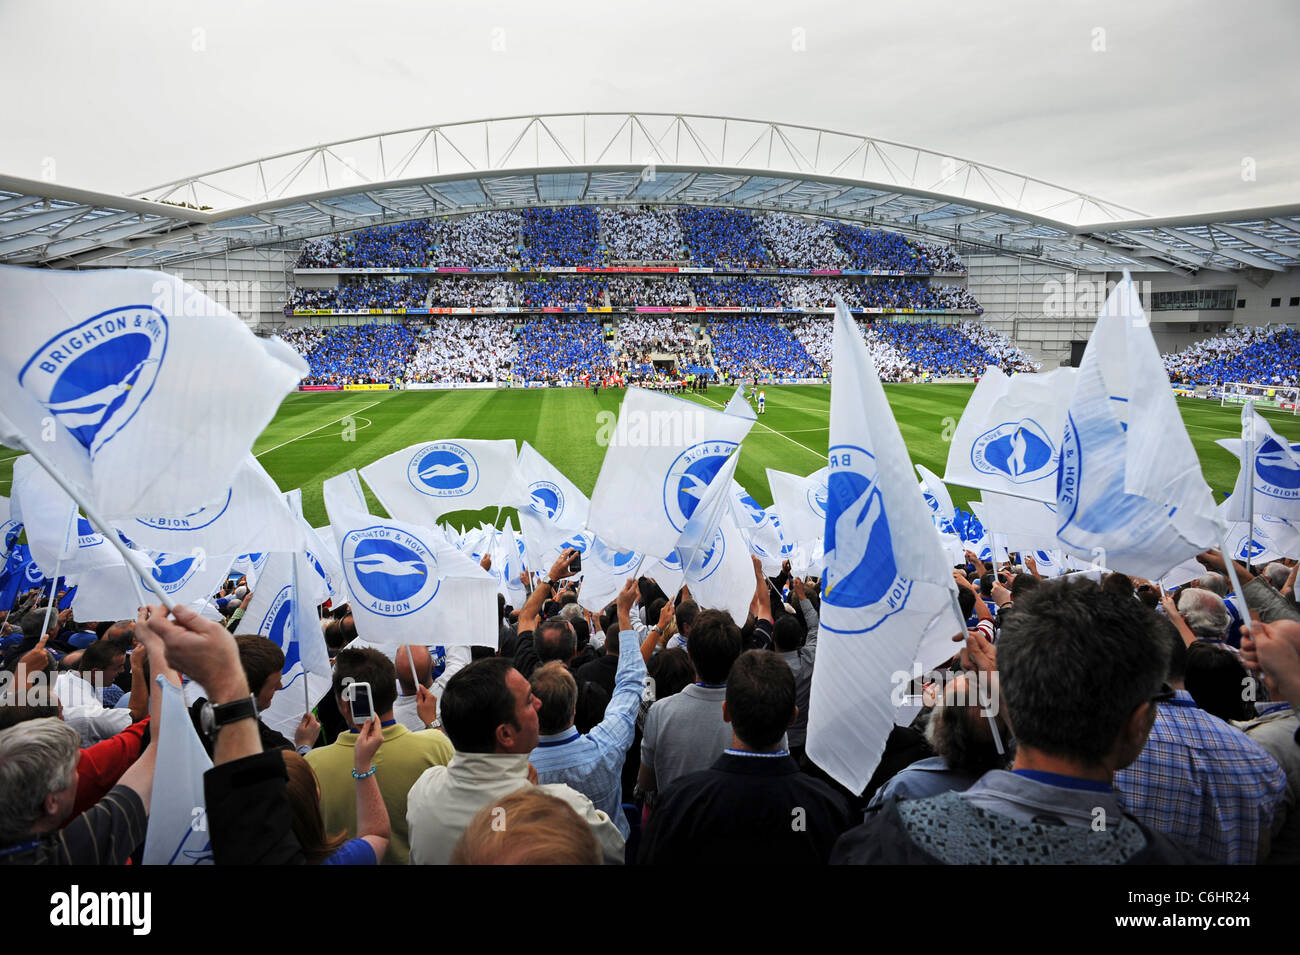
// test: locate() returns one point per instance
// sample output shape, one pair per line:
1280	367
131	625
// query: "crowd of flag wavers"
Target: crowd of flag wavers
1095	664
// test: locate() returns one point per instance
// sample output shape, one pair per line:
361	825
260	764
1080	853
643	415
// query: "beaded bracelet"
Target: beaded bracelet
366	775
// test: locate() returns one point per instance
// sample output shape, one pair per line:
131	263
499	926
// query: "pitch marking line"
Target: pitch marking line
759	424
314	430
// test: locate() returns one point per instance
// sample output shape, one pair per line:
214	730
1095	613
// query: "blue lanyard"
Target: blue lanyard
745	752
712	686
21	847
384	724
1066	782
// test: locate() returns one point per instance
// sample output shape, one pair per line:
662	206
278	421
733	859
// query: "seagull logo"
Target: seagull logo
95	376
389	571
688	477
861	584
443	469
1018	450
1278	470
546	498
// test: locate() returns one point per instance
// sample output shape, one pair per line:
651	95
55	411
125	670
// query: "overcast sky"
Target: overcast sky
1154	105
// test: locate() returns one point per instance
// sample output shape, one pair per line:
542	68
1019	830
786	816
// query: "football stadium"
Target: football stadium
572	460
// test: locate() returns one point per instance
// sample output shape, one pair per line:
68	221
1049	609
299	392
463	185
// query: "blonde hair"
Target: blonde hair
528	827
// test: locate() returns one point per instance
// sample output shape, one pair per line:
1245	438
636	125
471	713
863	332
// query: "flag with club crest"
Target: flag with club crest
283	610
801	502
407	583
1274	473
249	516
177	833
550	508
605	569
112	374
939	500
1130	491
715	560
887	581
421	483
1009	436
662	454
759	529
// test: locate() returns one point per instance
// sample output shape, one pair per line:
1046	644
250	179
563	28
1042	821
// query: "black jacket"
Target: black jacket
746	810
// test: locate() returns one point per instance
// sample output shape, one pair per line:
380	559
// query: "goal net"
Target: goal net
1282	397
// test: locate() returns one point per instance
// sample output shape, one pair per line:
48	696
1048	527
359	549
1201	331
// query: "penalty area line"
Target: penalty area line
782	434
314	430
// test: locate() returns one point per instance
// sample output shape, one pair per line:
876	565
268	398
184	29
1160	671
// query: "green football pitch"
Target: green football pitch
317	435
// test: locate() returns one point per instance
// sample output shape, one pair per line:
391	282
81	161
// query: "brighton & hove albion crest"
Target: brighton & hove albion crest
689	475
1277	472
443	469
1018	450
87	536
817	496
546	499
860	573
193	521
173	571
94	377
275	626
709	559
388	571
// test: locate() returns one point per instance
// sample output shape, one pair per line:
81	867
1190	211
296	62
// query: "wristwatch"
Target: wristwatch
546	579
212	718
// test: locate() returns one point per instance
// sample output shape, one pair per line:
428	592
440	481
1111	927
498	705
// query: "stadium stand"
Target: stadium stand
463	349
479	240
872	249
472	292
564	236
561	349
797	242
562	292
750	346
1249	353
735	293
719	237
628	290
641	235
364	354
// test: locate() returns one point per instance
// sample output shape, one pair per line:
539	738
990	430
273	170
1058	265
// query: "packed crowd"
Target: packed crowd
478	240
463	349
873	249
556	291
304	338
722	237
465	291
1076	722
1249	353
568	235
735	293
940	258
641	235
910	293
361	354
556	349
628	290
1005	354
756	347
362	294
796	242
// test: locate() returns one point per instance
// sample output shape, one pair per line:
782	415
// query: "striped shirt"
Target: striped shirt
105	834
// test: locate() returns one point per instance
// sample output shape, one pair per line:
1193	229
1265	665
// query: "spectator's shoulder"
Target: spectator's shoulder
435	742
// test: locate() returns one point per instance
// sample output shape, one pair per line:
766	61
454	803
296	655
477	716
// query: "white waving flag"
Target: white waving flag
1274	472
937	497
421	483
1100	517
713	552
759	529
178	827
135	369
283	610
45	511
407	584
250	515
887	580
661	456
547	493
605	570
1009	437
739	407
801	502
10	526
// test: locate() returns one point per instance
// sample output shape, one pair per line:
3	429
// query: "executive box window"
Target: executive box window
1195	300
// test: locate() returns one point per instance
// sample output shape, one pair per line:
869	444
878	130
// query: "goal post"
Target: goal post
1281	397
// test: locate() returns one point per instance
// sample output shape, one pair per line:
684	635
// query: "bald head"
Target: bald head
423	668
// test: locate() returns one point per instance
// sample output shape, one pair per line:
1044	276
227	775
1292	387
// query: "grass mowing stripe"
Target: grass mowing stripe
314	430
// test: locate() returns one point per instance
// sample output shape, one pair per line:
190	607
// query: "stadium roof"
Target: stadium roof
624	158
